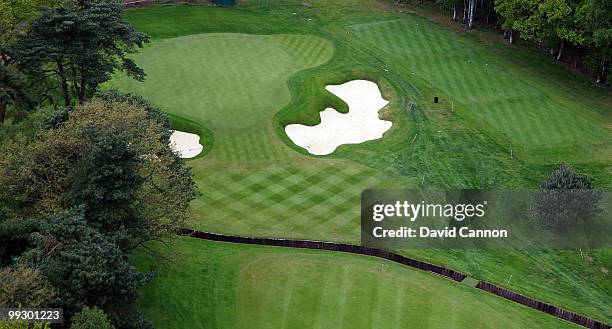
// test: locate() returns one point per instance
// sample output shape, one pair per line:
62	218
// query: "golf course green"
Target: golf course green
238	76
219	285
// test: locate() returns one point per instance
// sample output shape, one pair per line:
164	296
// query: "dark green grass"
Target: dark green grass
254	184
203	284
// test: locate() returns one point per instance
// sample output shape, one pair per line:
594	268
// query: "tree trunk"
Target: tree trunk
511	35
82	94
82	88
465	8
63	83
601	74
454	12
472	9
2	112
560	51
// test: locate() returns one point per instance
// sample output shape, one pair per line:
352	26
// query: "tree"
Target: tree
595	17
114	96
97	183
87	267
13	90
65	167
16	15
14	237
23	325
22	286
106	181
450	3
79	44
541	20
560	18
513	12
91	318
471	12
532	23
566	198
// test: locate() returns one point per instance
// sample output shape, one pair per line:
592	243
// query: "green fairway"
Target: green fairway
527	110
239	75
218	285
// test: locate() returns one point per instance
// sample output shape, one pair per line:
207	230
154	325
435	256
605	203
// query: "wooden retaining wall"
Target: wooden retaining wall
341	247
388	255
141	3
541	306
137	3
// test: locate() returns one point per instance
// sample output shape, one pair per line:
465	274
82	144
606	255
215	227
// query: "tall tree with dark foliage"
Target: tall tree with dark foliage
80	45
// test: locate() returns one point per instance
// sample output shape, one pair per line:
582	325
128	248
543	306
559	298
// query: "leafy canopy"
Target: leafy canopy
91	318
80	45
112	158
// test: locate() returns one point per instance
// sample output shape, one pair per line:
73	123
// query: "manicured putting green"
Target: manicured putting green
219	285
231	83
228	81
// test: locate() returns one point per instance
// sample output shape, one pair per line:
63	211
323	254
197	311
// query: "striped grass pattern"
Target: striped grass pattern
521	108
302	201
220	285
254	184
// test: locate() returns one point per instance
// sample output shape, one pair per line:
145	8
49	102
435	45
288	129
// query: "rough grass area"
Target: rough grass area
264	64
217	285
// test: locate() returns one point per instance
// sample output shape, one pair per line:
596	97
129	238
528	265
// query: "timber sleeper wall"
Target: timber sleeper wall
388	255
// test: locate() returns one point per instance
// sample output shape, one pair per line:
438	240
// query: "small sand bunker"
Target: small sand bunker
360	124
186	145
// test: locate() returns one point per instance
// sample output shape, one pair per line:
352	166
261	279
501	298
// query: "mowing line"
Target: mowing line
391	256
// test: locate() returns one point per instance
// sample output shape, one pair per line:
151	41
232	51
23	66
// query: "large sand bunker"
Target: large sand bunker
186	145
360	124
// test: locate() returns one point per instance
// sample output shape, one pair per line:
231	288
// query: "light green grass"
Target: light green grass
525	109
205	284
255	182
231	83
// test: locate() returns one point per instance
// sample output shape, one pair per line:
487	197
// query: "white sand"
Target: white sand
186	145
360	124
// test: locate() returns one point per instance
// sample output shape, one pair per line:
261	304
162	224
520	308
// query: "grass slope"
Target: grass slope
525	109
254	184
217	285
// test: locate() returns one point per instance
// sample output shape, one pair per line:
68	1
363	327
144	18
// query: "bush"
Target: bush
91	318
566	198
21	286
